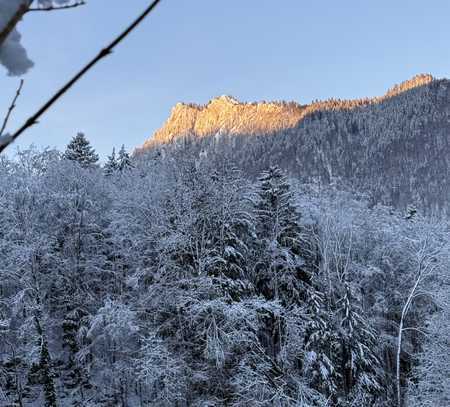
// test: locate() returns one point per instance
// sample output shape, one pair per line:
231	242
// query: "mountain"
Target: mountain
226	115
395	148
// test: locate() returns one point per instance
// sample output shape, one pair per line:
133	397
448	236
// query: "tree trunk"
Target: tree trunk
400	333
399	349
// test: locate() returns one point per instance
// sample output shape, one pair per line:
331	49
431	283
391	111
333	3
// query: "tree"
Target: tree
318	363
124	160
232	224
142	291
280	273
424	264
112	165
161	371
45	366
80	150
113	338
357	356
430	385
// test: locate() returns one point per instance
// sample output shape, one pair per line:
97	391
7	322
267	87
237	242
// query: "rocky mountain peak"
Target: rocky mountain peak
226	114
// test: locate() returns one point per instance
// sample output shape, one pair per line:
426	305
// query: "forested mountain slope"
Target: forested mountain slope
395	147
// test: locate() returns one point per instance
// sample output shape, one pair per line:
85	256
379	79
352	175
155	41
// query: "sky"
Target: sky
194	50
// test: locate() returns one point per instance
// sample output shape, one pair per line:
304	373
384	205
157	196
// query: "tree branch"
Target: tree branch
412	328
11	108
102	54
24	8
56	8
21	10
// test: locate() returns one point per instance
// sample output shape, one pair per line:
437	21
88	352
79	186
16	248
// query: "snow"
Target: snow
13	56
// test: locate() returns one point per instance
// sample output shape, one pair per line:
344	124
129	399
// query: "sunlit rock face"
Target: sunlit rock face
227	115
395	148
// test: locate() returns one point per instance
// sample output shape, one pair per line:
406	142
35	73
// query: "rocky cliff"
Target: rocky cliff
226	115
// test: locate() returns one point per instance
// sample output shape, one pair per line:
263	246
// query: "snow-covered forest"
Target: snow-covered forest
169	280
395	148
250	254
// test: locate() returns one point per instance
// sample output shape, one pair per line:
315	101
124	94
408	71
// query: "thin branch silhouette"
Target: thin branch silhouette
102	54
11	107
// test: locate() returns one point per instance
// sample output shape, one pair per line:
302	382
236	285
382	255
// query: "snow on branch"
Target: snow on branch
52	7
102	54
13	55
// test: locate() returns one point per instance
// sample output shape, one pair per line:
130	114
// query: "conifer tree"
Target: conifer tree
356	348
47	375
76	377
318	363
112	165
80	150
124	160
279	274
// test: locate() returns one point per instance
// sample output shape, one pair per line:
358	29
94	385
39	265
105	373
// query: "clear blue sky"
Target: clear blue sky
193	50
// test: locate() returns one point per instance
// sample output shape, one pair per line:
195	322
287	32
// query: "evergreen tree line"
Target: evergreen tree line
176	281
395	148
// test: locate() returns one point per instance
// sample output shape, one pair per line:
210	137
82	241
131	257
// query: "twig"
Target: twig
11	108
102	54
56	8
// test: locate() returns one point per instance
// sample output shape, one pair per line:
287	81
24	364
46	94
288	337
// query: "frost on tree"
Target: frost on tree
281	274
430	386
124	160
79	150
145	289
111	165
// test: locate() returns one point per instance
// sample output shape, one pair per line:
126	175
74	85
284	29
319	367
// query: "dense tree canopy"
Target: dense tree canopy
181	283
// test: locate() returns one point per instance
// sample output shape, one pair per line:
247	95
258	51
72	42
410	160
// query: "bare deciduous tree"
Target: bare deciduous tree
425	257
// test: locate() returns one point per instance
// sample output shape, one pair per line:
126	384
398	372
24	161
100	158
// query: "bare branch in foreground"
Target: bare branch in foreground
102	54
11	108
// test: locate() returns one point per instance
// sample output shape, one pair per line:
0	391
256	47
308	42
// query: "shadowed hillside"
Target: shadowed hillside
394	147
225	114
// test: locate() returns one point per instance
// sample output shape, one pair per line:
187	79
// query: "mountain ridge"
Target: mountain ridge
395	149
226	114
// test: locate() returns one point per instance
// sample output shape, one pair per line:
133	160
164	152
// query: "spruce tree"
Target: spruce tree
279	273
75	377
80	150
112	165
124	160
47	375
318	364
356	349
